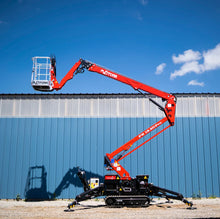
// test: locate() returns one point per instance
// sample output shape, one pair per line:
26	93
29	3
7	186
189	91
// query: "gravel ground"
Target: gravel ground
204	208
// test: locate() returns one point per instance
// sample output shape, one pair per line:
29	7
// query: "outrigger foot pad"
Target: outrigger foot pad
72	205
190	204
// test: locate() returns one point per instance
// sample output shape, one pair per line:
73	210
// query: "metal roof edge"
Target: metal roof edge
97	93
51	95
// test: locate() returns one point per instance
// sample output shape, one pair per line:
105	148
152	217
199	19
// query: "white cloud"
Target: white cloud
160	68
211	61
3	22
196	83
212	58
187	56
143	2
139	16
186	68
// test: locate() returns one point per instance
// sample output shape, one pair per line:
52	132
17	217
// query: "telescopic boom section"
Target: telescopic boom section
112	159
79	67
171	100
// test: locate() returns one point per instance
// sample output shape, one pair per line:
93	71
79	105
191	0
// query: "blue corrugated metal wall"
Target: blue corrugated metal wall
185	158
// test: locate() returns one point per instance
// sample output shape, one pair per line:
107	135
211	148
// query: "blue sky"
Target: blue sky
173	45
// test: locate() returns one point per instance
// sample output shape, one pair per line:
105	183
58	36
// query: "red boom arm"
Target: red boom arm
111	160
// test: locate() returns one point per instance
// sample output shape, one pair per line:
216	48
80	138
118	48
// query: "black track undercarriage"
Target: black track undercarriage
118	193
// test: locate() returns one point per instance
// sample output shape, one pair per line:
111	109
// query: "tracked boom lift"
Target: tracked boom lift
119	189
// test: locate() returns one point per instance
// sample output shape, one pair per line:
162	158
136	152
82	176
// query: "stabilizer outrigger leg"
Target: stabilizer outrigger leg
88	194
168	194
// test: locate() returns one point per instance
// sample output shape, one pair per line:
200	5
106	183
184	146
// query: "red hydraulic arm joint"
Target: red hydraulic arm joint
112	159
68	76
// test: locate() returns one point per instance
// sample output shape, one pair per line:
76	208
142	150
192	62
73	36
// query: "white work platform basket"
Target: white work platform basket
41	74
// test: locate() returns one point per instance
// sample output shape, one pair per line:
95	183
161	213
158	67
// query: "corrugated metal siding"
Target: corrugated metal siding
104	106
35	132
